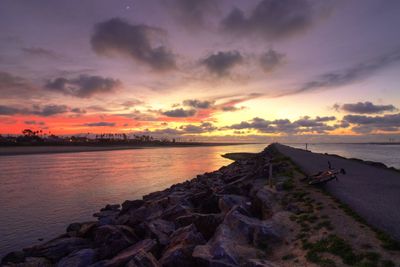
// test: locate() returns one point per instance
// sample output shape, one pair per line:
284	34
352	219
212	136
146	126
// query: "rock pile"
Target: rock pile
223	218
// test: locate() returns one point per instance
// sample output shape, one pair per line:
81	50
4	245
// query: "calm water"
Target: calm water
387	154
41	194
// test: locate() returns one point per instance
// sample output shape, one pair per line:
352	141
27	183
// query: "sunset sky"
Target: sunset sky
293	70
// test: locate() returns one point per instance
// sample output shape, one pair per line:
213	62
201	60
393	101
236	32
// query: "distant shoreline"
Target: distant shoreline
41	149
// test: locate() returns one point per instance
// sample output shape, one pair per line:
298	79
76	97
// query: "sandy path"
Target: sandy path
372	192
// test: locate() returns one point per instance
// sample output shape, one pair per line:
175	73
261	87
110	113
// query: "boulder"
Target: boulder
13	257
175	211
32	262
131	204
80	229
227	202
111	239
143	259
263	203
127	254
114	207
80	258
259	263
261	234
179	251
206	224
58	248
160	230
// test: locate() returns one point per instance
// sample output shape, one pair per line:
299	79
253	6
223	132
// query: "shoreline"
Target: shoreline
32	150
271	222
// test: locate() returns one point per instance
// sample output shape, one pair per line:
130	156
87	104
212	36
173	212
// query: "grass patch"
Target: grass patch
388	263
334	245
288	257
387	242
288	184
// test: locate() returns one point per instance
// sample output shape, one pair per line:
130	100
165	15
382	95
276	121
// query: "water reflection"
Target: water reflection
41	194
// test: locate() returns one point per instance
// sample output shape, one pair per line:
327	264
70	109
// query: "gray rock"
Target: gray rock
131	204
259	263
111	239
114	207
160	230
179	251
32	262
13	257
227	202
58	248
127	254
206	224
143	259
80	258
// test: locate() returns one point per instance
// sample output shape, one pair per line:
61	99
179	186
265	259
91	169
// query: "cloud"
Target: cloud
11	85
192	14
195	103
270	60
179	113
365	108
139	42
222	62
131	103
44	111
285	126
83	86
231	108
349	75
40	52
34	122
50	110
100	124
204	127
7	110
367	124
273	19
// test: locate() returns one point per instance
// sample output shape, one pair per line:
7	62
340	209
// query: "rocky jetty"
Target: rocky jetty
223	218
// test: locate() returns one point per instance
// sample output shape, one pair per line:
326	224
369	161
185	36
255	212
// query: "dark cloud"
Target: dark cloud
270	60
7	110
132	103
179	113
192	13
365	108
303	125
45	111
40	52
367	124
195	103
50	110
231	108
84	86
222	62
78	110
100	124
346	76
273	18
140	42
205	127
34	122
11	85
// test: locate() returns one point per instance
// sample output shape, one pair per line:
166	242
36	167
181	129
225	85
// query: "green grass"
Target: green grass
288	184
388	263
288	257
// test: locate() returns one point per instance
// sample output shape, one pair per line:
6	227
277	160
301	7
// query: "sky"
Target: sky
212	70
